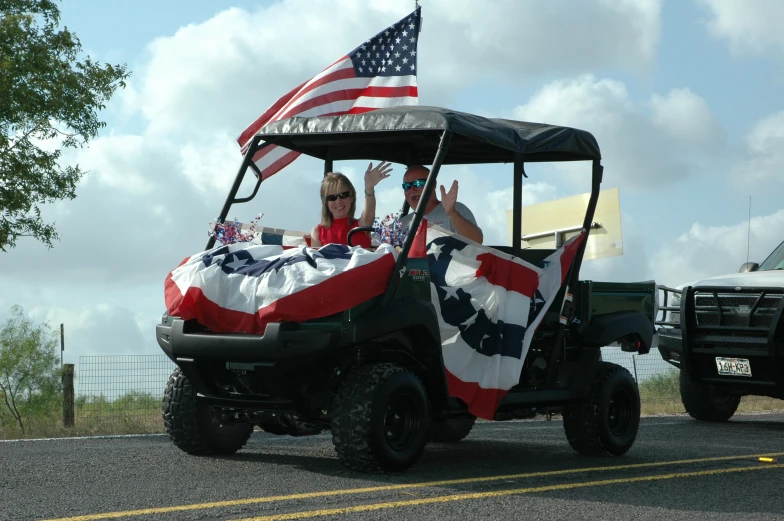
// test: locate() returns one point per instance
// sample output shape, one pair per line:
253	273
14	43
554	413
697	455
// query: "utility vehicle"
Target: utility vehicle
374	375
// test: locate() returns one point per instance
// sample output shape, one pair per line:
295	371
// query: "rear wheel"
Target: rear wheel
705	402
451	430
190	423
381	419
607	424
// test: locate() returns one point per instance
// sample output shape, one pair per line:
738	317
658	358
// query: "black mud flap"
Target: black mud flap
607	328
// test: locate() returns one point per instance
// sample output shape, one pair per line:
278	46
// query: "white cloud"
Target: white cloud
764	154
643	145
515	39
121	163
225	71
210	164
219	75
95	327
687	118
706	251
748	27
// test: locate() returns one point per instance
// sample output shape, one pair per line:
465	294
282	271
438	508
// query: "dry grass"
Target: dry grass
150	422
760	404
748	404
660	394
130	414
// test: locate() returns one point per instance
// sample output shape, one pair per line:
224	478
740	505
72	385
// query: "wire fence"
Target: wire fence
123	394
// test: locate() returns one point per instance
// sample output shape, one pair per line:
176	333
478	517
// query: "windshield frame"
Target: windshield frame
776	258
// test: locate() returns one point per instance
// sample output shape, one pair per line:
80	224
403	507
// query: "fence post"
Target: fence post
634	364
68	395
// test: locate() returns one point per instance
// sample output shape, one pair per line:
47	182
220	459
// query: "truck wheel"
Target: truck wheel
451	430
190	425
381	419
704	402
607	424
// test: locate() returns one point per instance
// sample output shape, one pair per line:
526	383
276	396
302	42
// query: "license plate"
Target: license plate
733	366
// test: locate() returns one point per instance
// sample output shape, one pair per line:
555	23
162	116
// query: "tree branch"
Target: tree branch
11	406
19	381
23	138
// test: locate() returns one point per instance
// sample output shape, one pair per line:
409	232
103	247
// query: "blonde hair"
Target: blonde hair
332	181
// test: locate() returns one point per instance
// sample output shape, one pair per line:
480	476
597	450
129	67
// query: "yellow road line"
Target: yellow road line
485	495
386	488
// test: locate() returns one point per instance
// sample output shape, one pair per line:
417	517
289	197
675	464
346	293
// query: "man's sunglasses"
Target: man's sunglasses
334	197
417	183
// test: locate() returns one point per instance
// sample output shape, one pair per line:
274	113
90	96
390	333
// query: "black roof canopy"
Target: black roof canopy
410	135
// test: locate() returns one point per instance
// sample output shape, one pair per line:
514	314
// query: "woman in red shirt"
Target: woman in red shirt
338	204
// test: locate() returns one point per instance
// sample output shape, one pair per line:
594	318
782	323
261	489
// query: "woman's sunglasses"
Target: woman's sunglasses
334	197
416	183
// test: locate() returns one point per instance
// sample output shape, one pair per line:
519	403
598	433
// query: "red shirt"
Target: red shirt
338	233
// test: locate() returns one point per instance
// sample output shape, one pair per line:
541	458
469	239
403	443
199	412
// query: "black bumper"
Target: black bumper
719	322
277	344
248	371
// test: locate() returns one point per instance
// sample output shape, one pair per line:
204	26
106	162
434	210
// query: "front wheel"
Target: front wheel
607	424
704	402
190	423
381	419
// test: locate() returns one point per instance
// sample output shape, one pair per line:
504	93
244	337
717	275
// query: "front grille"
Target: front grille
741	309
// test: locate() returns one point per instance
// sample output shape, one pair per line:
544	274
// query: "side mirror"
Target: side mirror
748	266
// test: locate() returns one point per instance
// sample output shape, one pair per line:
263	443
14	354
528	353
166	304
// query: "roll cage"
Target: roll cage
429	136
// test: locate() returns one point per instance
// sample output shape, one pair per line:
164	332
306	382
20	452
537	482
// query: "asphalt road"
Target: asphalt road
678	469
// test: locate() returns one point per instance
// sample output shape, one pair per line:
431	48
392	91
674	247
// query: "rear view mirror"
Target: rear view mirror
748	266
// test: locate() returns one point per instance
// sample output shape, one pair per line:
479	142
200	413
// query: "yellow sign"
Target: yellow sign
548	225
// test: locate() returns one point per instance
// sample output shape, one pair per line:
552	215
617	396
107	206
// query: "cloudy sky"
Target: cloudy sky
683	96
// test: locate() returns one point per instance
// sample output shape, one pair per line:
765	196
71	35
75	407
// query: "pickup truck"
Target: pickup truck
726	335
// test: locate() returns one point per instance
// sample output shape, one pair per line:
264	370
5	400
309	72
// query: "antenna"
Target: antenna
748	235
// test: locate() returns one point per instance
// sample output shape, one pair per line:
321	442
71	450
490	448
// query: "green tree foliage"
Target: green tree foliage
29	370
50	95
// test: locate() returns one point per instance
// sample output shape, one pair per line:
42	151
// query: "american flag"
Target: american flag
379	73
489	305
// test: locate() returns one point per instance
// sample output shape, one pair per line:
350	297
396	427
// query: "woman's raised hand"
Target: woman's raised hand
373	176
